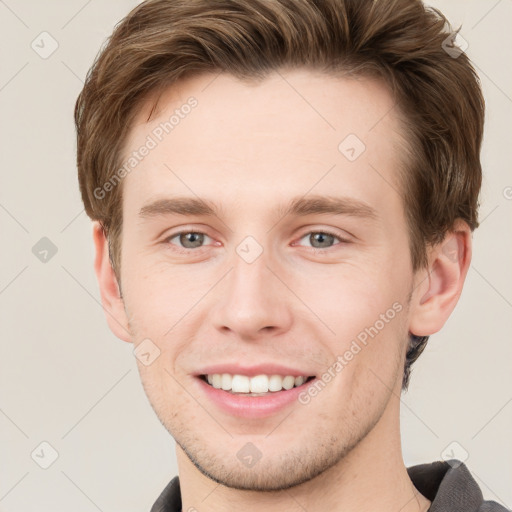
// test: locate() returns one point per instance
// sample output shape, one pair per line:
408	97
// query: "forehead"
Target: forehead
216	136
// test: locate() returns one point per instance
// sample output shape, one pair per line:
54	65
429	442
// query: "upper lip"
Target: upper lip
253	370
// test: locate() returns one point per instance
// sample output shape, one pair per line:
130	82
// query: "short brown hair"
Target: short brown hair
403	42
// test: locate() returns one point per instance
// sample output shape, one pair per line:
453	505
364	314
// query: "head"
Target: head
275	114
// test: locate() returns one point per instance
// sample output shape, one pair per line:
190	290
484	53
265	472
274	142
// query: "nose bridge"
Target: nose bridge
252	298
251	281
250	272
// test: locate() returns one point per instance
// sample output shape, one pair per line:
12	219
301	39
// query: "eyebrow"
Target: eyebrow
298	206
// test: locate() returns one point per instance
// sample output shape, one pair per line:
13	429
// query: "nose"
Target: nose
253	302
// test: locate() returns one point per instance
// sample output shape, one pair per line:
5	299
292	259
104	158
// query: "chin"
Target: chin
282	471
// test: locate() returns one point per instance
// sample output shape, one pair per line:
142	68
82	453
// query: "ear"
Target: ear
437	288
113	305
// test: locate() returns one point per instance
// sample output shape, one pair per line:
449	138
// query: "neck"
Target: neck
371	477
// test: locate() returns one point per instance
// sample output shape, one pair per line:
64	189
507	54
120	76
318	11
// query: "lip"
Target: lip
242	406
252	371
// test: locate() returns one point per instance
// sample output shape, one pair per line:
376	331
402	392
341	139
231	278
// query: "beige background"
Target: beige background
66	380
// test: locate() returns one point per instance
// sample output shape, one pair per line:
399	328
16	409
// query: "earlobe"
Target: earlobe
438	288
112	302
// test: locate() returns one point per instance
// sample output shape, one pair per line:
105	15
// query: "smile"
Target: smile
258	385
237	399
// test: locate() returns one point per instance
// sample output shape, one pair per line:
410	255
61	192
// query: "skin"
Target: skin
251	148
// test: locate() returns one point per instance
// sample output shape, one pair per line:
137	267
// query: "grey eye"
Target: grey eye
189	239
320	240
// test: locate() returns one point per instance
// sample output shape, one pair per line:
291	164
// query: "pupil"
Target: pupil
320	238
195	239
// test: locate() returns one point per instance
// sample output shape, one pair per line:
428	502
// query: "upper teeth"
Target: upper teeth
257	384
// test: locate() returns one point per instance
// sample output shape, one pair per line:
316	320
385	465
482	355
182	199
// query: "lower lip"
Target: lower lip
252	406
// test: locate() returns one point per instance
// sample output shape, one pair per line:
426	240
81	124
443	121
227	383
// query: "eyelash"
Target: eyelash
340	239
198	249
183	250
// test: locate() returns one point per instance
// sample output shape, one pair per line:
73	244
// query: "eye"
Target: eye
188	239
322	239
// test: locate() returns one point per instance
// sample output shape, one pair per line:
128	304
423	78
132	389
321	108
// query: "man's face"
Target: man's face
258	292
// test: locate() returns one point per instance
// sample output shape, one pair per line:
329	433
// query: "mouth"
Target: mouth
256	386
255	391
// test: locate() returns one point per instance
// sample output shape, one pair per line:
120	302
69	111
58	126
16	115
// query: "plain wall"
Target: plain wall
66	380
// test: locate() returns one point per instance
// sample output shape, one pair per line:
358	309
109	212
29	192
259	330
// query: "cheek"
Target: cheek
160	296
368	315
351	299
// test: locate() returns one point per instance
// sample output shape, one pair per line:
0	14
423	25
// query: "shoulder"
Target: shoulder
169	499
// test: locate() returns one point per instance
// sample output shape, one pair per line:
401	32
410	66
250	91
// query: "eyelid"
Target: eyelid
330	232
186	228
342	239
167	239
186	232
